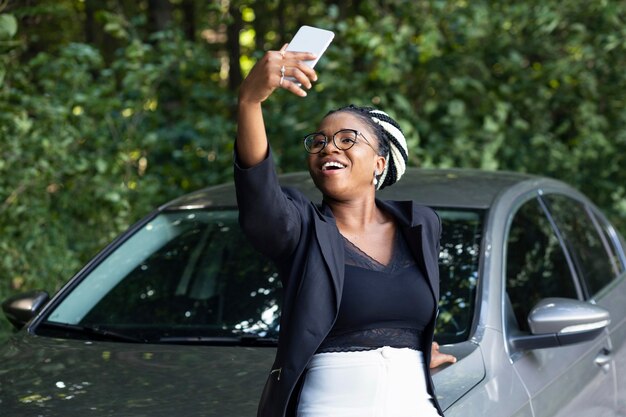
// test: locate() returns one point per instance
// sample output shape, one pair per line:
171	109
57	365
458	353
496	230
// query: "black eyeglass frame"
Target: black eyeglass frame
338	146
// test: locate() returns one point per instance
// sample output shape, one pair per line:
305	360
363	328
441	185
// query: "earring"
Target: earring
375	180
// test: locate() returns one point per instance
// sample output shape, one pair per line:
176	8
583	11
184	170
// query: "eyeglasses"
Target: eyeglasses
343	139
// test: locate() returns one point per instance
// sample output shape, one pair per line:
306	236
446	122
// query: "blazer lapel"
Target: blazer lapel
332	249
416	241
413	232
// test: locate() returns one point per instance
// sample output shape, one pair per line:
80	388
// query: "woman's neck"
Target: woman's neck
358	215
365	225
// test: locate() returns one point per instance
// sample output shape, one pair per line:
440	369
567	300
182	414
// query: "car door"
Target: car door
561	381
598	260
612	296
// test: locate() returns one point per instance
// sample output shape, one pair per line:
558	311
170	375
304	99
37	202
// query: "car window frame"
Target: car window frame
581	285
607	241
591	212
614	236
509	322
578	283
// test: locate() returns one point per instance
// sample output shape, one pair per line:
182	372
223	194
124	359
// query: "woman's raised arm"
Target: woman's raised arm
265	77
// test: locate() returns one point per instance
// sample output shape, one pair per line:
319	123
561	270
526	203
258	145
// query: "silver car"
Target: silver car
180	316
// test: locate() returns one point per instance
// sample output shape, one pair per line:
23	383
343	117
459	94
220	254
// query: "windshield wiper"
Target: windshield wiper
97	332
245	340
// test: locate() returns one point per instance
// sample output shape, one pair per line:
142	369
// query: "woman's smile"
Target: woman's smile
345	172
332	166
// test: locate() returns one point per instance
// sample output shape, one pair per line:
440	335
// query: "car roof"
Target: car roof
468	188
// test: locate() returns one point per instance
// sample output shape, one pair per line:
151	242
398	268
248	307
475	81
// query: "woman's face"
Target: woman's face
346	174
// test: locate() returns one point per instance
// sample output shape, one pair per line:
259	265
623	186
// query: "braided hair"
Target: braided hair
391	141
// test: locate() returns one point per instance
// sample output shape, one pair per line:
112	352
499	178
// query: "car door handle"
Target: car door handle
603	360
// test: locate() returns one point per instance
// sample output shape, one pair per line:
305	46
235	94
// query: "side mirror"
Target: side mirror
21	308
562	321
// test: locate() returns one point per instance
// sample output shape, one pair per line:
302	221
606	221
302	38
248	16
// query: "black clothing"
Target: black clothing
307	248
381	305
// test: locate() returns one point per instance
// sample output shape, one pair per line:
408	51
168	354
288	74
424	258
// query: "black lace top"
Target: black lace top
381	305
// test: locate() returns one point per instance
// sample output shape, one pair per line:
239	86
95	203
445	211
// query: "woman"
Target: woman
360	275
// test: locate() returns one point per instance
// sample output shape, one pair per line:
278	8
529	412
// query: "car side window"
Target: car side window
583	241
536	266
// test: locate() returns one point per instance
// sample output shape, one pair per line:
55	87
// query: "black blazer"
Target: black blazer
304	242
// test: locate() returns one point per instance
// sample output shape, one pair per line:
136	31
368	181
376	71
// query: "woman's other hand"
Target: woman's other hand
437	358
271	72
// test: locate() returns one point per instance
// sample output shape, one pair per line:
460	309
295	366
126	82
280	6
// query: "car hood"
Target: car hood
42	376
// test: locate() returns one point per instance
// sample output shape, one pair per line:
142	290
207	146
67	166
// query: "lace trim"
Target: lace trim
401	256
370	339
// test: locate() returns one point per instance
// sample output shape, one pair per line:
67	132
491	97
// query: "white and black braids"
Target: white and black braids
391	141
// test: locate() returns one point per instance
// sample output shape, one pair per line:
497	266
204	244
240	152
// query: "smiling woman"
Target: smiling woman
389	137
360	275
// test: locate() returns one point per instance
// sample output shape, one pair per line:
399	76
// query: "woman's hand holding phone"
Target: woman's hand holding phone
289	69
268	74
272	72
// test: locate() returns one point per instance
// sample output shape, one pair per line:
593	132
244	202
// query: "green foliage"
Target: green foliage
8	26
8	30
87	148
94	134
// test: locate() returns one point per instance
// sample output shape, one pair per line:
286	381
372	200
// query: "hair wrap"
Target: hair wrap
398	151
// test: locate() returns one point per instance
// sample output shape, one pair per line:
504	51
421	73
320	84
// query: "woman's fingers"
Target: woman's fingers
295	59
293	87
298	56
296	73
307	71
437	358
278	69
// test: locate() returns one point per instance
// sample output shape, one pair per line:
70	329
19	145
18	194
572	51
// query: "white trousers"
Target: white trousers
386	382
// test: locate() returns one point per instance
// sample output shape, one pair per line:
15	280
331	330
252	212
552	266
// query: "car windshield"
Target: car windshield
190	276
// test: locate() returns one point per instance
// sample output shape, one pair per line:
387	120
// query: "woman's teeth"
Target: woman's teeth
332	165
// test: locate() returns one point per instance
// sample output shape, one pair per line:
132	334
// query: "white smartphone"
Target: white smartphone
310	39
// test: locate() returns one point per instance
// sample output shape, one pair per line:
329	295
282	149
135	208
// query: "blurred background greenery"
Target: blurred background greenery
109	108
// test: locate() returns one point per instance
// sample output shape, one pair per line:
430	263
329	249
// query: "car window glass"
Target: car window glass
192	273
589	253
197	276
536	266
458	273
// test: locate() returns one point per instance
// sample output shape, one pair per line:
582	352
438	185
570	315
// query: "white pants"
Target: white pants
386	382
